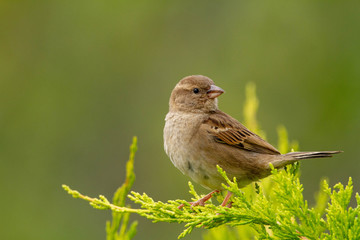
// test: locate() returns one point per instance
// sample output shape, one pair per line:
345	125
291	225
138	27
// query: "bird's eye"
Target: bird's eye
196	90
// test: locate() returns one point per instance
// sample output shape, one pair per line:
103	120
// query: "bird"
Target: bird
198	137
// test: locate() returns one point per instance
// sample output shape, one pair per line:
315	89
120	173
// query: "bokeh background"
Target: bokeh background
79	78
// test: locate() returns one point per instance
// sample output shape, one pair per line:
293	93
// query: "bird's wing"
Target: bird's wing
227	130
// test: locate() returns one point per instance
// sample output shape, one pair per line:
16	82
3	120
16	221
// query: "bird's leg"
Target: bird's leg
226	199
201	201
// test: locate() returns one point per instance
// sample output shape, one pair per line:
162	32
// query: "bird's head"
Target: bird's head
195	93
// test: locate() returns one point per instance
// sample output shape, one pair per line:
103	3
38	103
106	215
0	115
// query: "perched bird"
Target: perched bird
198	136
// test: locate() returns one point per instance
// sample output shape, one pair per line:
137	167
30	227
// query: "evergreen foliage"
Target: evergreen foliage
273	208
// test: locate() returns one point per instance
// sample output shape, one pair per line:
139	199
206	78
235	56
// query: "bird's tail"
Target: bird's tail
297	156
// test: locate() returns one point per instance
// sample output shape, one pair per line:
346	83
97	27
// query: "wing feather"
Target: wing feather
229	131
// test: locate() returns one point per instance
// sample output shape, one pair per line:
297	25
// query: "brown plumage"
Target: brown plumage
198	136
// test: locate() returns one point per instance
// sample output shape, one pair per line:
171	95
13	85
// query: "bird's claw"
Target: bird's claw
201	201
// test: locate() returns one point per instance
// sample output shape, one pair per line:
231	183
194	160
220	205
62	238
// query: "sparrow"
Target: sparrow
198	137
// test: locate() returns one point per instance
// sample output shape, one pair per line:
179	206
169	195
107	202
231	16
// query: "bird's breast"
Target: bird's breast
179	131
181	145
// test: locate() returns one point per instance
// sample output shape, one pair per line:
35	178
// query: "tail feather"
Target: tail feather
296	156
307	155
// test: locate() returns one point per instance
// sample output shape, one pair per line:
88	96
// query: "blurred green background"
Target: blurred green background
79	78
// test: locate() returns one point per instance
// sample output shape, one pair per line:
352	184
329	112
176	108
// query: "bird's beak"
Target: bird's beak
214	91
